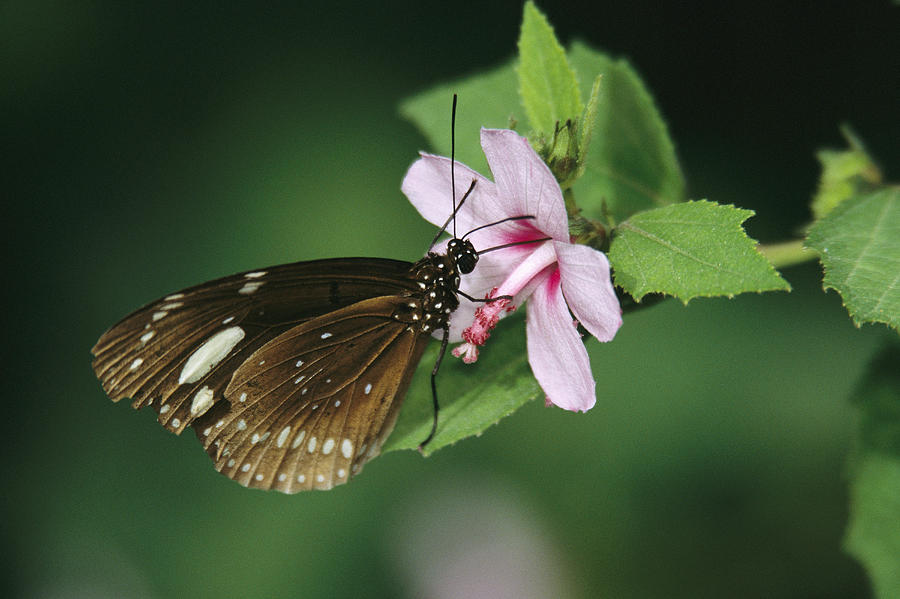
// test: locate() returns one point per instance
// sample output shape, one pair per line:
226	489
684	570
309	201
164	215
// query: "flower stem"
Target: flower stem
786	253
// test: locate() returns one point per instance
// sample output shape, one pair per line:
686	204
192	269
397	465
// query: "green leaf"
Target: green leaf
472	396
845	173
690	250
873	532
489	99
631	165
547	84
859	246
587	124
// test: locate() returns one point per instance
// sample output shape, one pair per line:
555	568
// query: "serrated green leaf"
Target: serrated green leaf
547	84
473	397
631	164
859	246
690	250
488	99
845	173
873	532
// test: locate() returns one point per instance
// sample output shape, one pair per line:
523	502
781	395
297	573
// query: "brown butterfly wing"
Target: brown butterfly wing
179	353
310	407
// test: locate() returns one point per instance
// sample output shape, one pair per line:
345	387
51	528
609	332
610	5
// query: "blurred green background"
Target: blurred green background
152	147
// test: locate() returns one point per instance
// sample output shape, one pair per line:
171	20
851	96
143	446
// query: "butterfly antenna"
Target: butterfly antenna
452	217
452	163
456	207
505	220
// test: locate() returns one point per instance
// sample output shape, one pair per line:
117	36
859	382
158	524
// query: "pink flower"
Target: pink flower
557	277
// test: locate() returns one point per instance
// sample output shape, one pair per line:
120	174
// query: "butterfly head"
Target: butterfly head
463	253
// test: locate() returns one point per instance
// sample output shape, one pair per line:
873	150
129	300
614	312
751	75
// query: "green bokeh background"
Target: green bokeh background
151	148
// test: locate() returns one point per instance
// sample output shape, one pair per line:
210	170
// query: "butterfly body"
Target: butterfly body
291	376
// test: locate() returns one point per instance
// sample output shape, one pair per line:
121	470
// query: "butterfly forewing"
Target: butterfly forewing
178	353
309	408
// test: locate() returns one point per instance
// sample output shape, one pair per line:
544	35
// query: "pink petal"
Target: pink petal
541	258
525	184
588	289
427	185
556	354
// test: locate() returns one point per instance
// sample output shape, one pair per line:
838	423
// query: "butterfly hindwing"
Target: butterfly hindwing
311	406
179	353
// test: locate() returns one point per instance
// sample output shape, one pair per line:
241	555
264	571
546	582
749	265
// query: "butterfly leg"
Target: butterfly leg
437	364
487	300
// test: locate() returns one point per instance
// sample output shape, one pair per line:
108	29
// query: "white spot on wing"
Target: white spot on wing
298	440
165	409
176	422
171	306
301	478
245	467
243	397
282	436
311	446
213	351
203	400
242	424
341	473
255	275
147	336
137	362
325	335
174	296
159	315
347	448
227	320
282	477
259	477
327	446
368	388
250	286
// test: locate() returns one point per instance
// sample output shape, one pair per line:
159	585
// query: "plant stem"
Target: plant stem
787	253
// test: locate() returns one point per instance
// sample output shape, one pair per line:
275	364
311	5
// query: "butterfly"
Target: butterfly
291	376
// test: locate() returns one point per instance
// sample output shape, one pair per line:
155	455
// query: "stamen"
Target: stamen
467	351
486	318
